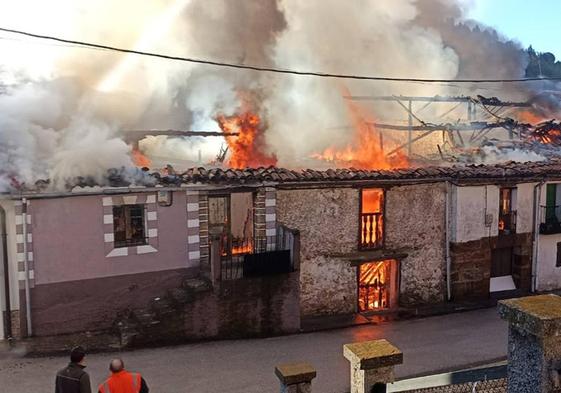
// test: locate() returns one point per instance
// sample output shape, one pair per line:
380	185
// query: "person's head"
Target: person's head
77	354
116	365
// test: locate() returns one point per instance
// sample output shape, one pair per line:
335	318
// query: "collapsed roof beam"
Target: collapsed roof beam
487	101
136	135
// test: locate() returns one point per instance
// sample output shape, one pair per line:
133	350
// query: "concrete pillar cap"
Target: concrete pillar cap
373	354
537	315
295	373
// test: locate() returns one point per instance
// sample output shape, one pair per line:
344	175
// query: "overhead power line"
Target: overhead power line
268	69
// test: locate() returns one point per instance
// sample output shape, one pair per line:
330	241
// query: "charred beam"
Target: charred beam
493	101
136	135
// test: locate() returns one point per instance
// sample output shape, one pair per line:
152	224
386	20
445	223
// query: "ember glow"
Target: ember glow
367	149
248	149
371	218
373	286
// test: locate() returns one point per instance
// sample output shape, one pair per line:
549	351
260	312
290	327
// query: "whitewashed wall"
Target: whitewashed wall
548	275
469	207
12	258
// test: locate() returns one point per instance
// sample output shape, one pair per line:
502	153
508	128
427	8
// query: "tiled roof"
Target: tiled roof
281	175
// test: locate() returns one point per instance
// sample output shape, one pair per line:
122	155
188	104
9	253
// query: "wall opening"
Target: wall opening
377	285
371	218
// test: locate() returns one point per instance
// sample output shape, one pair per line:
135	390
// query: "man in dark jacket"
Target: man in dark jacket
73	378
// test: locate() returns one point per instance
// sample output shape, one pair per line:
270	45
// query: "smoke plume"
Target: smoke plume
63	110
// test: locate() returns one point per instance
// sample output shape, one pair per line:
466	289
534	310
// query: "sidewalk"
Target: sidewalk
434	344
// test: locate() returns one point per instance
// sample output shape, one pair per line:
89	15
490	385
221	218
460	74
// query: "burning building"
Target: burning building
225	253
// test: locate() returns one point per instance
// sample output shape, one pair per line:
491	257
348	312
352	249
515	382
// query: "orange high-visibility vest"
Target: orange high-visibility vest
121	382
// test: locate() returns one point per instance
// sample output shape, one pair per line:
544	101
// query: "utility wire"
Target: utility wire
270	69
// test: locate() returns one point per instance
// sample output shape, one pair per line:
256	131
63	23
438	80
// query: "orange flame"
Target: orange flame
248	148
139	159
529	117
366	151
374	286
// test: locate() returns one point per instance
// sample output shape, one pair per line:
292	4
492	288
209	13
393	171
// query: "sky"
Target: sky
531	22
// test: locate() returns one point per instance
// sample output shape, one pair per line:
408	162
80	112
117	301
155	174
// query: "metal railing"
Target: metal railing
371	230
550	220
256	256
488	380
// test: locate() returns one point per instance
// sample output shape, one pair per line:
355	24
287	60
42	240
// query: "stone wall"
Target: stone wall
327	219
415	225
471	265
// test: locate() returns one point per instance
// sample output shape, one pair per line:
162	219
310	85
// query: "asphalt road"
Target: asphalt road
432	344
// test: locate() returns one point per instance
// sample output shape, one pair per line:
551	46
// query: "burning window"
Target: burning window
371	218
374	285
233	216
129	225
507	215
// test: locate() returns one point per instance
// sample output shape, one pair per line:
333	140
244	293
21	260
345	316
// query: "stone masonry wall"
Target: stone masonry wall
328	224
415	225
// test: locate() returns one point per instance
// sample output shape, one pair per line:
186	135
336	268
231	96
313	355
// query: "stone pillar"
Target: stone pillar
372	364
295	377
215	257
534	343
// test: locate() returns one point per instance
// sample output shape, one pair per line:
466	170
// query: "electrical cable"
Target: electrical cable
269	69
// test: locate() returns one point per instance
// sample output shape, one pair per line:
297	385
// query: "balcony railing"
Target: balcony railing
507	223
371	231
550	220
259	256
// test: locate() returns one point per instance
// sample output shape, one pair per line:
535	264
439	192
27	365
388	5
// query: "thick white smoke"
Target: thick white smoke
63	109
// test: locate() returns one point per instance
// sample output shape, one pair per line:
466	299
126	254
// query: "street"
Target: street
247	366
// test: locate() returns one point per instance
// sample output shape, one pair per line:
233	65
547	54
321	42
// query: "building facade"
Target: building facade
251	252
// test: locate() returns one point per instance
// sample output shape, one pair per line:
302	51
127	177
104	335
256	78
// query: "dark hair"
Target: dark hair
77	354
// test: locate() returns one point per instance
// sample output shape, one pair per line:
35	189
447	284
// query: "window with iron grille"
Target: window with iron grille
129	225
371	225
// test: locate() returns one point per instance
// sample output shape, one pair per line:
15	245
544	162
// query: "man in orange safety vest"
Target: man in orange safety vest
122	381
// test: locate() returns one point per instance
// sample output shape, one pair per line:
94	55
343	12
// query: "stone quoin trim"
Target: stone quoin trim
193	225
20	245
151	224
203	228
266	215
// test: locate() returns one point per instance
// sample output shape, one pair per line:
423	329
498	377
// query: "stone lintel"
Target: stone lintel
295	373
372	354
537	315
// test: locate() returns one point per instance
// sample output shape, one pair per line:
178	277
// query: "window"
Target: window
371	218
558	261
507	213
233	217
129	225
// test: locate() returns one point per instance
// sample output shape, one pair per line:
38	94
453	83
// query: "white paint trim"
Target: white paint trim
151	198
194	223
129	199
107	201
108	218
152	216
503	283
19	219
21	275
193	207
270	202
270	217
153	232
109	237
271	232
145	249
20	257
19	239
190	192
118	252
29	219
30	256
193	239
194	255
29	238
